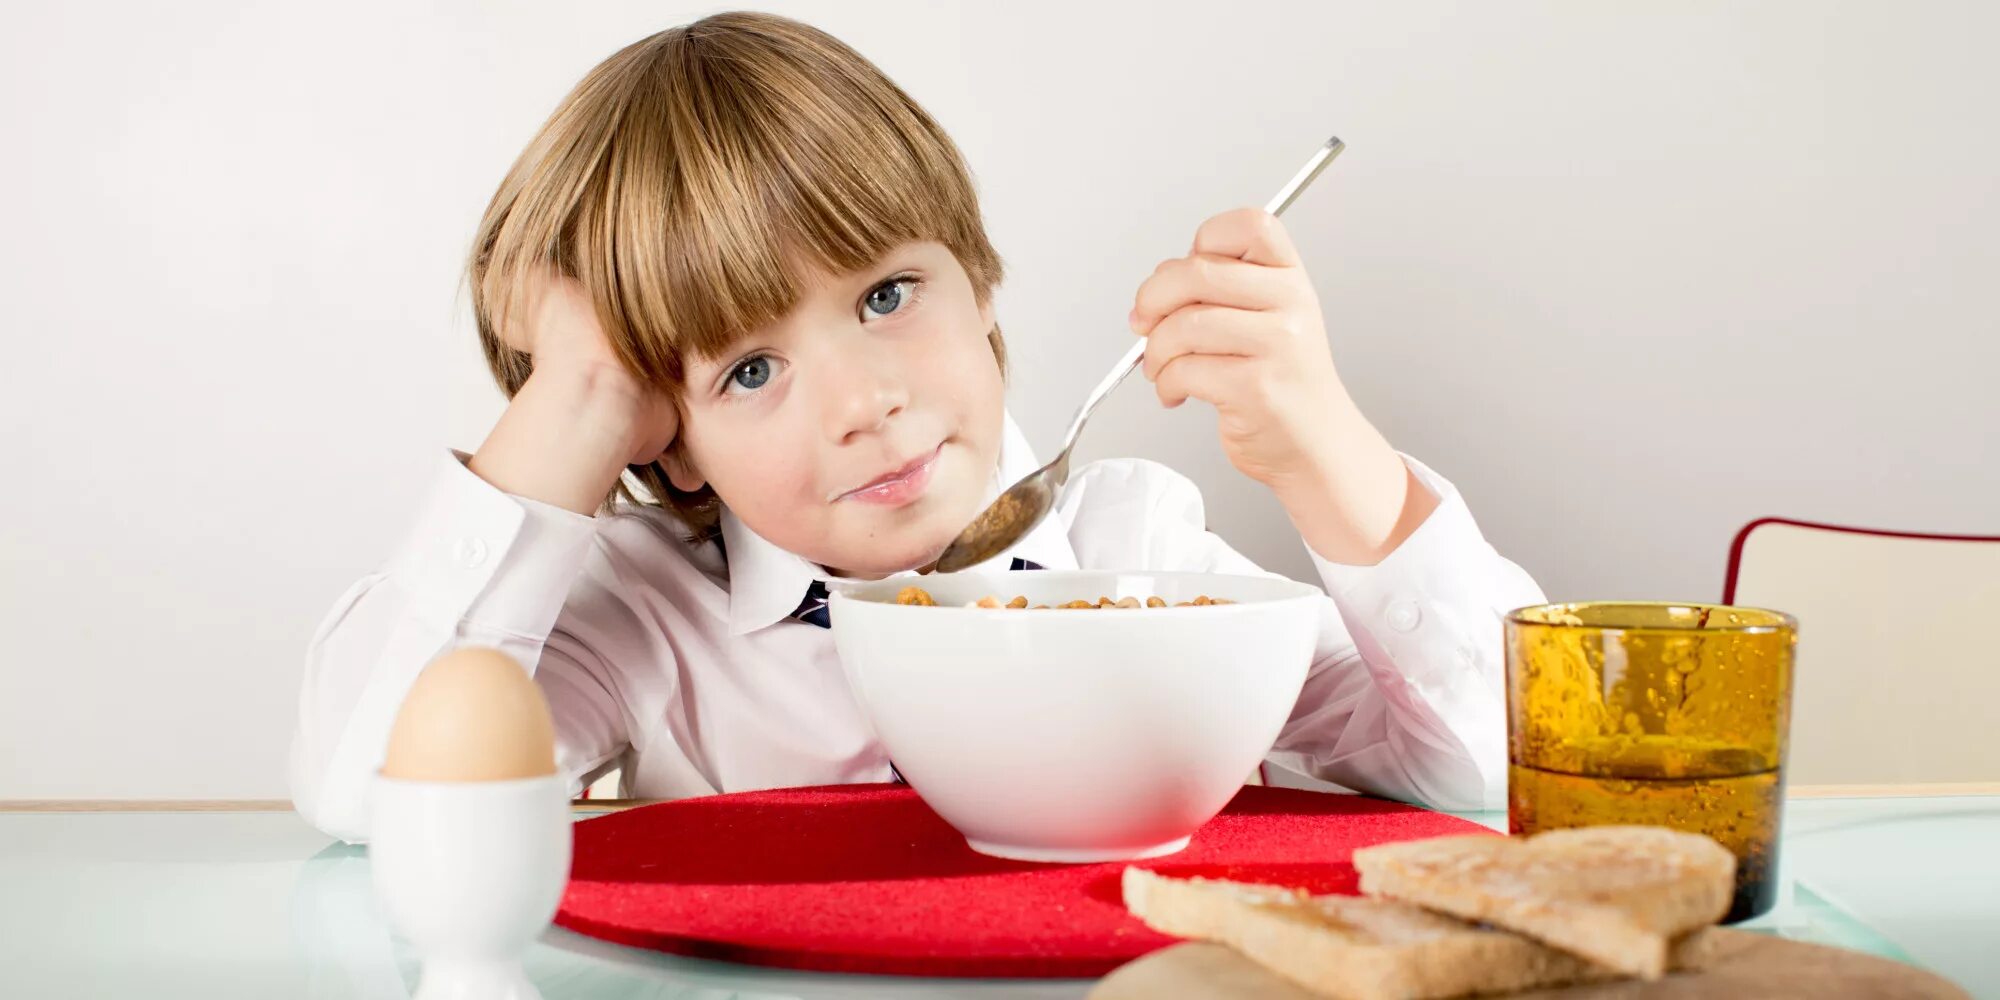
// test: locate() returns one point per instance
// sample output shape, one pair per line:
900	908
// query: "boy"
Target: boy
740	296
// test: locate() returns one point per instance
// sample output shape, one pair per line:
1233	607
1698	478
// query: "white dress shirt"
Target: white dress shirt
688	674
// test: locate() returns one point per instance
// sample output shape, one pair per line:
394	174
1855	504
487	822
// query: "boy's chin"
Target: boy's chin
880	563
913	548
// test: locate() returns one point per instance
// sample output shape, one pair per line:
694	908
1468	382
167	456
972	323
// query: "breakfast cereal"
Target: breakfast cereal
922	598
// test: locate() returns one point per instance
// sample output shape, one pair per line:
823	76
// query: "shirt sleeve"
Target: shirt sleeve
479	567
1405	696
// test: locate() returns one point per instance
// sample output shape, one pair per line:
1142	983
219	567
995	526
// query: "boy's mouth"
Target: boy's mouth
898	486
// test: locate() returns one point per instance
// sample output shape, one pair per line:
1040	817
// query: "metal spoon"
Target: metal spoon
1025	503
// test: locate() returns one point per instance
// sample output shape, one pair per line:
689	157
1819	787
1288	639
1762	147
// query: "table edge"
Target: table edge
1915	790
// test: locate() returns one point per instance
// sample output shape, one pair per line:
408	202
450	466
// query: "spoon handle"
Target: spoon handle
1125	366
1290	192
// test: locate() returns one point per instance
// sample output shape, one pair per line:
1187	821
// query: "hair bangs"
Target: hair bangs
738	178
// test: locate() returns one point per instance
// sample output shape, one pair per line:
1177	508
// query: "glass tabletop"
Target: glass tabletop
258	904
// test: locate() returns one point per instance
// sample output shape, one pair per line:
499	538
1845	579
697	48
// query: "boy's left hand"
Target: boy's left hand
1236	323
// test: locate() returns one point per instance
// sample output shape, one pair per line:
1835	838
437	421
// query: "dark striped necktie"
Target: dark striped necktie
813	610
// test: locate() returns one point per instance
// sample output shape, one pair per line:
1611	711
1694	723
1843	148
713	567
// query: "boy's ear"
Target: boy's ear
680	469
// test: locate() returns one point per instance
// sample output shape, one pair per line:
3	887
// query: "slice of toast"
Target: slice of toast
1348	946
1617	895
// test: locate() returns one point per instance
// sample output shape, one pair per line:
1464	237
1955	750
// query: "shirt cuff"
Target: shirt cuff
1427	561
1429	608
479	554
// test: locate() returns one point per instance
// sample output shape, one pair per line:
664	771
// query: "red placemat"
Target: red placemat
866	878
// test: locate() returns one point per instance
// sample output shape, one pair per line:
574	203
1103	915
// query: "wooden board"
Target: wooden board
1743	964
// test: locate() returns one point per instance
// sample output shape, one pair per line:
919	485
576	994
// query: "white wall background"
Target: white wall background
1630	277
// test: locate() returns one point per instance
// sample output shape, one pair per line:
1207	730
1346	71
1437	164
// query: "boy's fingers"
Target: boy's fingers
1205	329
1250	234
1220	281
540	300
668	428
655	450
1212	378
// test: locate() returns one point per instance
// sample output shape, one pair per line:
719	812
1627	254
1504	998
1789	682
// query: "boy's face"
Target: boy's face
861	429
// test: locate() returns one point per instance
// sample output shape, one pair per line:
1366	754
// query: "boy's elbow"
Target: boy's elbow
1430	793
1456	783
1470	792
343	818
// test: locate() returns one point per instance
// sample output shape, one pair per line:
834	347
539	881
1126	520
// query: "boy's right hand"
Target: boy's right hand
581	417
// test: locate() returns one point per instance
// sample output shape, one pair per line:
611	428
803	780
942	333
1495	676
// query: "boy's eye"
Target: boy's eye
887	297
750	374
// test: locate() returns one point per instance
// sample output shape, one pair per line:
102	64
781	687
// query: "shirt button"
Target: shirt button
469	552
1404	616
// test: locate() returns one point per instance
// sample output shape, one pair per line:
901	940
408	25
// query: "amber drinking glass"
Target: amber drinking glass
1662	714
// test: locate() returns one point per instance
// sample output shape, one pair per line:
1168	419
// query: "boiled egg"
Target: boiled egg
473	714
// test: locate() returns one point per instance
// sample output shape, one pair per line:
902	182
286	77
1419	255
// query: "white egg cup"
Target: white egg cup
470	872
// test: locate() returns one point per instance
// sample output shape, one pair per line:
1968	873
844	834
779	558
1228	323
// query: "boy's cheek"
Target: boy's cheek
734	462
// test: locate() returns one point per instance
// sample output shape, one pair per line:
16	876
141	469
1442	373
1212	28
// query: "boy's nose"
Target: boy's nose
861	398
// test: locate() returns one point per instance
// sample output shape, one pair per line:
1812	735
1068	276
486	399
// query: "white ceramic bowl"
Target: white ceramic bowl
1072	735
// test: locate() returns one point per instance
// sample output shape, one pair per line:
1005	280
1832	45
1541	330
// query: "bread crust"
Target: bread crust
1352	947
1616	895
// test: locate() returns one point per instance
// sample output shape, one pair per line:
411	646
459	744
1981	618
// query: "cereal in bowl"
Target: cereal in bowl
922	598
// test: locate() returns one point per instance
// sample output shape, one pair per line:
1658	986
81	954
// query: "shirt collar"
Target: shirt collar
766	582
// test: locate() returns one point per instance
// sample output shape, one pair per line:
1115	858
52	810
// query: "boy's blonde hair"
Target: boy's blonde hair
687	178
